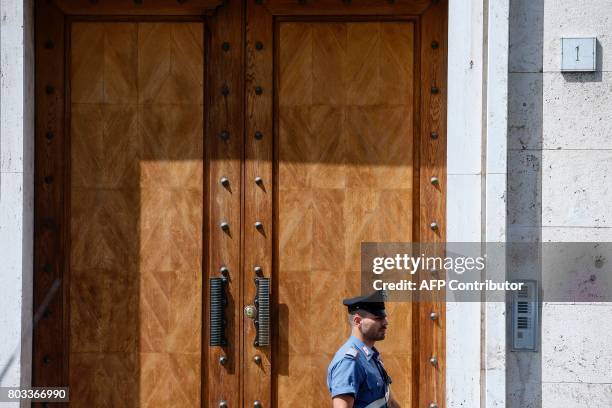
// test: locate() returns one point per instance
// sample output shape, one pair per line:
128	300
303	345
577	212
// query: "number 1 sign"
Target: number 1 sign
578	54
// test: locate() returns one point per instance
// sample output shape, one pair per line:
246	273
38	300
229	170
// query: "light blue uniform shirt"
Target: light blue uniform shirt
356	369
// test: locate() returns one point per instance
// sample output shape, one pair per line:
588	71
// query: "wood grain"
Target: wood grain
113	371
433	198
171	212
49	358
225	113
170	68
338	8
136	213
345	174
259	66
145	8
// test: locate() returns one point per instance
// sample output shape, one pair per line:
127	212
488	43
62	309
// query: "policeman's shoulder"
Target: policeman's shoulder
351	353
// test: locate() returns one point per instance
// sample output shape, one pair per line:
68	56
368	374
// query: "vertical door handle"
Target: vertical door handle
218	303
262	305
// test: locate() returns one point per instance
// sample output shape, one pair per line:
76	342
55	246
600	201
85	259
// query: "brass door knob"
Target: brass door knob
250	311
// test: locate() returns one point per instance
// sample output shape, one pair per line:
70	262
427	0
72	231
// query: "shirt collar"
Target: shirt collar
369	352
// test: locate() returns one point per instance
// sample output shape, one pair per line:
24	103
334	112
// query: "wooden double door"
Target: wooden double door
252	140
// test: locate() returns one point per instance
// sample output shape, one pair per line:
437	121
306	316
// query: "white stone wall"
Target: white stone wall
464	191
476	201
560	190
16	190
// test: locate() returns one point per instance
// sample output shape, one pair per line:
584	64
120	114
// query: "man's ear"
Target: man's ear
357	319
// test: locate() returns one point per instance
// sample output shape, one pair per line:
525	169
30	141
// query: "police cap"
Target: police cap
373	303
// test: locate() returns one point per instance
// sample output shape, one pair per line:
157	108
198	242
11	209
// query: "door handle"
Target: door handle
218	303
262	306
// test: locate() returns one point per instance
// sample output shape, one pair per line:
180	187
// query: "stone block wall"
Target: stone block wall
560	190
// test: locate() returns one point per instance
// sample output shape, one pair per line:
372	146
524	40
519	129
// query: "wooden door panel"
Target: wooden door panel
345	176
136	194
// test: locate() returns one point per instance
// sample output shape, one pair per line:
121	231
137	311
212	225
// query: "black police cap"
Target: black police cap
373	303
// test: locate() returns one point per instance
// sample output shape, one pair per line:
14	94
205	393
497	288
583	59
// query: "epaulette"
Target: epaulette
351	352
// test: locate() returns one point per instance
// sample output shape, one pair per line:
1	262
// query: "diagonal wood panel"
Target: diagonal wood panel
296	73
345	176
363	64
87	63
329	68
108	156
170	63
136	214
91	373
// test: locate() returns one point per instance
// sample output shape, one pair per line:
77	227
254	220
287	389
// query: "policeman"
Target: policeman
356	377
